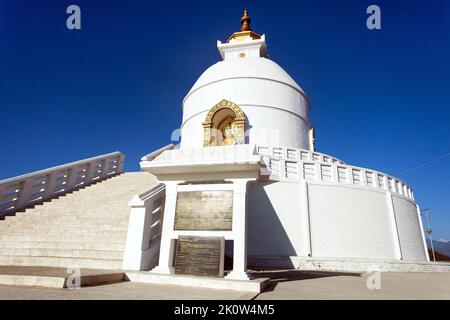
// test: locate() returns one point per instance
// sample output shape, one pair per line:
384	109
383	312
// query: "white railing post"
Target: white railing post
24	194
376	183
317	171
89	174
300	170
350	175
363	176
385	182
283	169
72	176
334	173
120	163
50	185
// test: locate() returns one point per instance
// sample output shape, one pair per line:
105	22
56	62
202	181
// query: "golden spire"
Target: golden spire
245	31
245	22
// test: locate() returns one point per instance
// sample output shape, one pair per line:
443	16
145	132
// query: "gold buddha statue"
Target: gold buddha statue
229	136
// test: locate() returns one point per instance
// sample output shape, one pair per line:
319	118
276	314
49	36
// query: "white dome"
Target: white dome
259	68
275	108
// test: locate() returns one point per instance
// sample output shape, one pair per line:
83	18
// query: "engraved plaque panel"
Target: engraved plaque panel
200	256
204	210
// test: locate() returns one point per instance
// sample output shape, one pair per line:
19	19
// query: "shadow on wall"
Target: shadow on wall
247	127
266	234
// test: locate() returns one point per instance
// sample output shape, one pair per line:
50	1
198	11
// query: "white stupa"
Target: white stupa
246	128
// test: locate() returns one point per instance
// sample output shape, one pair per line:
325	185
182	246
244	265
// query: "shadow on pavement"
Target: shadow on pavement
277	276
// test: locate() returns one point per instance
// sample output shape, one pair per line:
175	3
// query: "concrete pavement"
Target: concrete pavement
286	284
294	284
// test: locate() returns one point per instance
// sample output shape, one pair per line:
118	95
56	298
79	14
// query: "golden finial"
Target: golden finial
245	22
245	32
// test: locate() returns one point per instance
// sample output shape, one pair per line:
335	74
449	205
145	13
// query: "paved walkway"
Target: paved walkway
293	284
288	284
51	271
123	290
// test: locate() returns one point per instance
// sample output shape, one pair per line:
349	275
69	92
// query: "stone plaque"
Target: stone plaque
200	256
204	210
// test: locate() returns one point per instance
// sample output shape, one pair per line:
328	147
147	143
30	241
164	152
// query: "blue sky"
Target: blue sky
380	99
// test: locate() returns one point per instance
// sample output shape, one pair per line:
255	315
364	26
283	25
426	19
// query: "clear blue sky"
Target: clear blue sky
380	99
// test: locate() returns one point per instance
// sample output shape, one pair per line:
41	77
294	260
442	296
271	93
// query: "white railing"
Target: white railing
154	154
30	189
291	170
144	229
295	154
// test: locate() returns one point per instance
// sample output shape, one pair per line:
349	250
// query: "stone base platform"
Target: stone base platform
254	285
55	277
346	265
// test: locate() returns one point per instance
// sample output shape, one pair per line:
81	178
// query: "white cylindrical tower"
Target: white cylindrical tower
275	108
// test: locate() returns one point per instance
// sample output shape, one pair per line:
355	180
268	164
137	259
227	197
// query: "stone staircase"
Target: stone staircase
86	228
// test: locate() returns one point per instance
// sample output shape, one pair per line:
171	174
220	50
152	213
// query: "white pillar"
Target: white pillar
395	234
139	250
132	257
305	235
166	250
422	234
239	229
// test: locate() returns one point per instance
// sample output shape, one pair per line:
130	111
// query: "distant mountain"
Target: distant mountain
442	246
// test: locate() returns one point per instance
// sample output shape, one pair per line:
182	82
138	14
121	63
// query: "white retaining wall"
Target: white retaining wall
332	221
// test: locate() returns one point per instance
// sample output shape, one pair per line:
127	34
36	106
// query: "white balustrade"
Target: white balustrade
154	154
30	189
144	229
295	154
335	172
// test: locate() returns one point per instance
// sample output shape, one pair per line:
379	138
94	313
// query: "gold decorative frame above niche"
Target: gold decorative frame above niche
224	125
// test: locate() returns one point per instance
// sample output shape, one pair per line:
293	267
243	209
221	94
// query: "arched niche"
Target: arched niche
224	125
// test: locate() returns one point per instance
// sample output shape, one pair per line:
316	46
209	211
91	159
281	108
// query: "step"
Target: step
97	202
63	225
84	212
94	194
56	277
91	199
67	214
254	286
80	210
93	224
101	214
23	226
63	238
63	245
64	253
49	231
60	262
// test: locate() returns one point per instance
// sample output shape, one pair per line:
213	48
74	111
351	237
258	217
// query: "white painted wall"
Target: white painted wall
274	215
350	222
346	222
